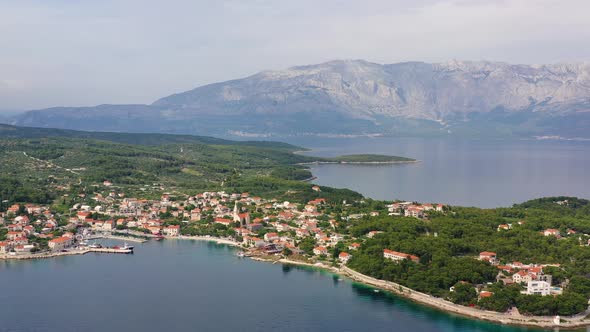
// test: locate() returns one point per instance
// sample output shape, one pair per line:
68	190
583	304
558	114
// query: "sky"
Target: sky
89	52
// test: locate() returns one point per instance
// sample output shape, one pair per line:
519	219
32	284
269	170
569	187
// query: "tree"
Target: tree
464	293
307	245
287	252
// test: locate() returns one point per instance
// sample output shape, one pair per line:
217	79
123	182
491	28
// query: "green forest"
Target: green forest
36	161
448	246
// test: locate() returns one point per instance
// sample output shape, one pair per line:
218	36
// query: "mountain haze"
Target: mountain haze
357	97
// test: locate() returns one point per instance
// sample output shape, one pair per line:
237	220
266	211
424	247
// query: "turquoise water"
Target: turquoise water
199	286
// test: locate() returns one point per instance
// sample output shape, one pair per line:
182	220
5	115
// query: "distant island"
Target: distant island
363	159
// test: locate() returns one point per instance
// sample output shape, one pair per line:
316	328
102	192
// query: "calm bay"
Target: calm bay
176	285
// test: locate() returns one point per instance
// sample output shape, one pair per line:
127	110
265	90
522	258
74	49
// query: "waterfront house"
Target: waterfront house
484	294
320	251
155	230
344	257
537	288
3	247
270	237
172	230
19	240
59	243
254	241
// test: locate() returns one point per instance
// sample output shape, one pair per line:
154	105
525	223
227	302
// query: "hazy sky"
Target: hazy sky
87	52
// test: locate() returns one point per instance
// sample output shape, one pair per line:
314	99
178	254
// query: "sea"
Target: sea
187	285
481	173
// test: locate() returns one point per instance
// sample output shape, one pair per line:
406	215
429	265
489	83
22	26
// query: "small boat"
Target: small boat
126	246
241	254
95	245
376	290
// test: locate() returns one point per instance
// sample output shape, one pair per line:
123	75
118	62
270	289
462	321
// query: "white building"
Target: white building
538	288
398	256
344	257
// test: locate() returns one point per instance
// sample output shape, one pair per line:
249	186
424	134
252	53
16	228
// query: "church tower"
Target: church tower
237	213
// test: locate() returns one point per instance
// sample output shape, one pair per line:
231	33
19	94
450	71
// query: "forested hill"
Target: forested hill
448	245
38	165
9	131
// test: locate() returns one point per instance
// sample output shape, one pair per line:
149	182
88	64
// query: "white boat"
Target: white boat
127	247
241	254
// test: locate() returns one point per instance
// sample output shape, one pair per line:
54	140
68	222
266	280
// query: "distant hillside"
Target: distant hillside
358	98
39	165
9	131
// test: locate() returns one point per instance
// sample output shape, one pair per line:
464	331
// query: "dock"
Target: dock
111	250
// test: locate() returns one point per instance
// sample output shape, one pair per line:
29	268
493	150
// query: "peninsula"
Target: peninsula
362	159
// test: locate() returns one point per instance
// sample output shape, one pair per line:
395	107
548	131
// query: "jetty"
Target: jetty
112	250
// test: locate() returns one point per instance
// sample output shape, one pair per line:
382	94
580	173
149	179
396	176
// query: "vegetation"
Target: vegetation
36	165
449	257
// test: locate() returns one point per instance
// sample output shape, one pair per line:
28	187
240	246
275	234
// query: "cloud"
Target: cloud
89	52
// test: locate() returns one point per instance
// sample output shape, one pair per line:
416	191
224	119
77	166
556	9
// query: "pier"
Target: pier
111	250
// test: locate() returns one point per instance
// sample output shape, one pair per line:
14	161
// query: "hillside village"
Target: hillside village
263	226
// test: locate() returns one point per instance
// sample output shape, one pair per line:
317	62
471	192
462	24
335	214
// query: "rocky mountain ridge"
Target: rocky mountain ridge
360	97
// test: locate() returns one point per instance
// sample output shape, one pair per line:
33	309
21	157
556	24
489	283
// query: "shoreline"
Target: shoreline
574	322
43	255
205	238
393	162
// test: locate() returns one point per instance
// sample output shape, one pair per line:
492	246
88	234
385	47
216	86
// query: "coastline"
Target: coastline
44	255
578	321
205	238
360	162
573	322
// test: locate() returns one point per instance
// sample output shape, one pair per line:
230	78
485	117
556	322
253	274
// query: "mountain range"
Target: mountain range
356	97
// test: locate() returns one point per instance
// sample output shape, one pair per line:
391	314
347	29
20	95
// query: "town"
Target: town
260	226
